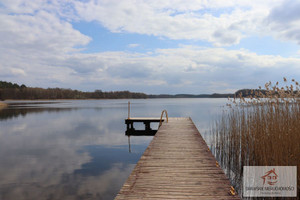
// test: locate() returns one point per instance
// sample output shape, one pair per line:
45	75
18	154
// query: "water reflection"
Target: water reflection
64	153
77	149
101	161
10	113
129	146
70	186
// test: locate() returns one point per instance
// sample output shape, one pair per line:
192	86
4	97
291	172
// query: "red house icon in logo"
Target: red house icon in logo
270	177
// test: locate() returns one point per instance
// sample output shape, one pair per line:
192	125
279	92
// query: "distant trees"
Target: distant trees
4	84
215	95
250	92
10	90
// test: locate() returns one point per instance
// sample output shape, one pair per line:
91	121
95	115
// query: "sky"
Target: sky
150	46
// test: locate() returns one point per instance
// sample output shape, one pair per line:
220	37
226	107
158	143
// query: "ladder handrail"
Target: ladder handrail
161	116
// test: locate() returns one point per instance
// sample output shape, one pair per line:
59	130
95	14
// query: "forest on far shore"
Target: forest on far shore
10	90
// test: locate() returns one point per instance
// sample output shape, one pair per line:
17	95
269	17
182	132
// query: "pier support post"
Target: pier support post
147	126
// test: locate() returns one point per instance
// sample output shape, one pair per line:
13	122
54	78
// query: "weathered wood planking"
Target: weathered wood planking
177	165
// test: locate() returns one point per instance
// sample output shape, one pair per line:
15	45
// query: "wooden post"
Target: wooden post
147	126
128	109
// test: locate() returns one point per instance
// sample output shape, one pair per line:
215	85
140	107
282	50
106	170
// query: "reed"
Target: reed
260	130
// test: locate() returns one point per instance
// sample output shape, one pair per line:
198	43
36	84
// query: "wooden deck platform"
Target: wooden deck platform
177	165
148	131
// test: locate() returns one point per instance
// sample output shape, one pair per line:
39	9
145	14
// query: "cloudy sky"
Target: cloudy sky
151	46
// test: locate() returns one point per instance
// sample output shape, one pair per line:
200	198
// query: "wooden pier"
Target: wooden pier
177	165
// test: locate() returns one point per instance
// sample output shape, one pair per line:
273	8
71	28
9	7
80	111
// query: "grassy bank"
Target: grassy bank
260	132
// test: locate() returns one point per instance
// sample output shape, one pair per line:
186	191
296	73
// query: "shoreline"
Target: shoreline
3	105
115	99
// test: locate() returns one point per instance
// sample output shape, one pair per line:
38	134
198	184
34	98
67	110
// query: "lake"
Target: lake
77	149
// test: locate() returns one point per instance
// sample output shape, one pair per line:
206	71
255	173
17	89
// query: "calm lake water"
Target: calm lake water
78	149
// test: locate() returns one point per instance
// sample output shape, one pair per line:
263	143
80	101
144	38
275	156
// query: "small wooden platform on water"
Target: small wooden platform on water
148	130
177	165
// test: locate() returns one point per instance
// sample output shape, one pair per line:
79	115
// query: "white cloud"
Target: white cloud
43	32
41	46
16	71
284	21
34	41
188	68
133	45
145	18
222	23
21	6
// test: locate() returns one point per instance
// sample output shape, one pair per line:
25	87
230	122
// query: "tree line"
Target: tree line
10	90
214	95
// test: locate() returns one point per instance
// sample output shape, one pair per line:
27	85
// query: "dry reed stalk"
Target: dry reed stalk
260	132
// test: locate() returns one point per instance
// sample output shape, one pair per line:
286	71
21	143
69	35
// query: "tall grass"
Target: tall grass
261	130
